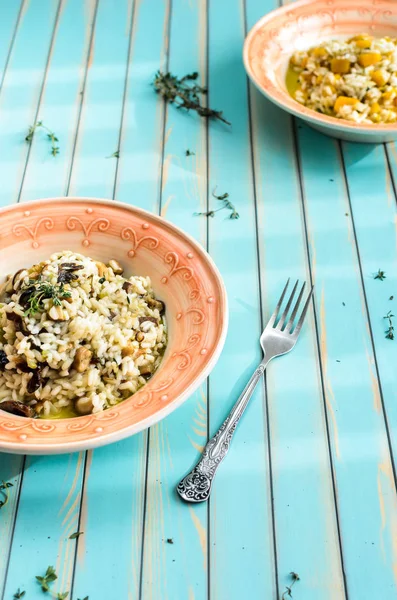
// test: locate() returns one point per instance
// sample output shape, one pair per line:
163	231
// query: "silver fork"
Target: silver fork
277	338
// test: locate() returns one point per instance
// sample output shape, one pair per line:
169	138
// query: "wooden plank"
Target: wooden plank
305	517
21	88
179	570
46	175
359	443
241	532
47	515
20	26
93	172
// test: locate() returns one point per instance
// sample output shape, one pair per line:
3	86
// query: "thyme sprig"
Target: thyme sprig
4	490
288	588
50	135
34	294
189	153
114	155
381	275
226	204
19	594
185	93
389	333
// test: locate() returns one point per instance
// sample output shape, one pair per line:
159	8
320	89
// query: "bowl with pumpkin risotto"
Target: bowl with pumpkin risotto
333	63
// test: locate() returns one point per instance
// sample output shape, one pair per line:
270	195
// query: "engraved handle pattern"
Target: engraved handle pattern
196	486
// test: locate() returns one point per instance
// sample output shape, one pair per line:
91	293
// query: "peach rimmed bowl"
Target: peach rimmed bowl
183	276
301	25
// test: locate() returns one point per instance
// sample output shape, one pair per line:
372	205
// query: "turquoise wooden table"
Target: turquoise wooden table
309	485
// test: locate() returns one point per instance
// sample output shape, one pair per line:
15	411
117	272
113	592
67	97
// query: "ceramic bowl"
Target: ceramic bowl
301	25
183	276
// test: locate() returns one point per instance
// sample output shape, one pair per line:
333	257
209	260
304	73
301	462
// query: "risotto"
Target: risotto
354	79
76	337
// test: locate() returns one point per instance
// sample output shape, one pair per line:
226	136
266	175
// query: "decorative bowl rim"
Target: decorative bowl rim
285	101
101	439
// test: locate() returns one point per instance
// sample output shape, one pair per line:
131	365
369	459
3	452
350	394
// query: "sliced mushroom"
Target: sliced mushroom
102	268
151	319
82	359
128	287
83	406
34	382
16	408
146	371
21	364
17	279
128	350
116	267
154	303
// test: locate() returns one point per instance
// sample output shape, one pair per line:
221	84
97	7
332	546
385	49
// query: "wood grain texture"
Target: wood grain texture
309	483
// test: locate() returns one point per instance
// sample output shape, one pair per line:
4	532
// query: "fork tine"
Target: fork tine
286	310
273	318
290	323
304	311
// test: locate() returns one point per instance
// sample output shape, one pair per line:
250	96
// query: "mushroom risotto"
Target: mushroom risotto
76	337
354	79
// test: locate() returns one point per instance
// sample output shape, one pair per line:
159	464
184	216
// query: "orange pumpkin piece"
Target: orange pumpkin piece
344	101
366	59
340	65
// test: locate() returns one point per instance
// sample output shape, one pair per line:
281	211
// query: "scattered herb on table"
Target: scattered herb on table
288	588
4	491
189	153
49	577
380	275
226	204
185	93
76	535
62	596
114	155
389	333
19	594
86	598
170	541
343	304
34	294
391	298
50	135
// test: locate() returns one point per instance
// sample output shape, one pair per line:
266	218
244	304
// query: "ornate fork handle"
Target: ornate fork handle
196	486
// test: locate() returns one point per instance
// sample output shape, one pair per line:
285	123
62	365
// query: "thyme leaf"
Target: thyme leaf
185	93
18	594
189	153
76	535
114	155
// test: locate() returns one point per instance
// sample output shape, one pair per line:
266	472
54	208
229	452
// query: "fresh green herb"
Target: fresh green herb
391	298
343	304
50	135
61	596
170	541
288	588
19	594
75	535
34	294
189	153
226	204
185	93
102	280
4	491
114	155
86	598
128	300
48	578
389	333
380	275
